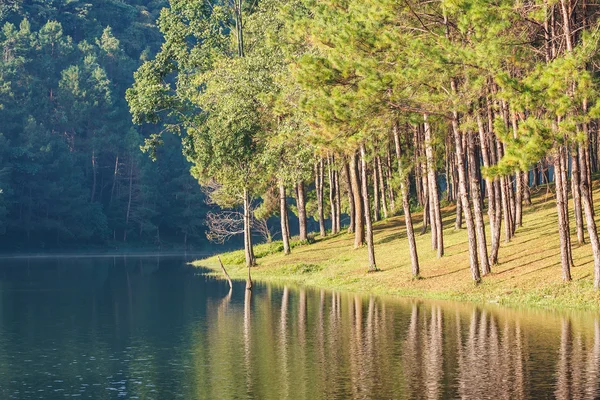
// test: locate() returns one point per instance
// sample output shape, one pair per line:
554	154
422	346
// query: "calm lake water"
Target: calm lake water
154	328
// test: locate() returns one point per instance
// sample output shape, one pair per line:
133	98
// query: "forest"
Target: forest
72	174
374	107
325	115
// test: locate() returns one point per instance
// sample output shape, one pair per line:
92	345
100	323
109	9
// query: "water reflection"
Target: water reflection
578	363
155	329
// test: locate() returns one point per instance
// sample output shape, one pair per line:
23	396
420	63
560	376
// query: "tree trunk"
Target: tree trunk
384	205
526	190
338	205
459	213
319	182
248	247
589	218
518	181
459	206
283	211
491	194
477	207
512	206
518	199
504	197
575	189
565	186
462	186
429	207
376	203
562	223
331	193
350	198
433	192
301	204
410	233
367	210
427	210
586	167
585	160
359	228
390	187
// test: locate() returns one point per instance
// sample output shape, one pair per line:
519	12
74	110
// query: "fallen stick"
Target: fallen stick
225	272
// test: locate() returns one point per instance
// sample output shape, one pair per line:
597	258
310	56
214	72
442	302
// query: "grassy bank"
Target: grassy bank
528	273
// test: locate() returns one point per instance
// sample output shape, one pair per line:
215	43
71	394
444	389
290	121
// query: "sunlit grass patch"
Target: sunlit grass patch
528	272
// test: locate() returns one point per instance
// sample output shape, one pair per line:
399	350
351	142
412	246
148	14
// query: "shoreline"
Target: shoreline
528	273
477	296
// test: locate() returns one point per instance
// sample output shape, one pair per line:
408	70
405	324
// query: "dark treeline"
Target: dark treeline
71	170
372	108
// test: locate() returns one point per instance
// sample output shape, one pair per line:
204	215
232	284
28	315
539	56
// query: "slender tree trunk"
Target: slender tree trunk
367	210
585	160
338	204
285	232
420	176
384	205
453	173
518	181
427	210
248	247
513	205
332	194
491	194
319	182
459	206
586	166
575	189
494	156
301	203
419	171
518	199
562	223
477	207
433	191
389	182
350	198
459	212
526	190
504	197
410	233
565	186
359	232
589	218
376	203
447	170
462	183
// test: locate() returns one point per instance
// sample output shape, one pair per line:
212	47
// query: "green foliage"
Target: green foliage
70	169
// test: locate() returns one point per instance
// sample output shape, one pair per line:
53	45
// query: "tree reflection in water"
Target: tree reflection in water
349	346
140	328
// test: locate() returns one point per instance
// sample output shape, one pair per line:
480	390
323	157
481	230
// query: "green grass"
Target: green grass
528	272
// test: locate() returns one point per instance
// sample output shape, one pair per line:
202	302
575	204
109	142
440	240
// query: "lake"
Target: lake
155	328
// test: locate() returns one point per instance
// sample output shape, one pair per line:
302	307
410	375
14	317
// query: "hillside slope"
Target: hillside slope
528	272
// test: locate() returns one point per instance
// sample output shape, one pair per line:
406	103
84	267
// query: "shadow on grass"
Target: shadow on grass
445	274
520	255
391	238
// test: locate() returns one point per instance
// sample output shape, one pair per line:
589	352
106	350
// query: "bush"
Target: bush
265	249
